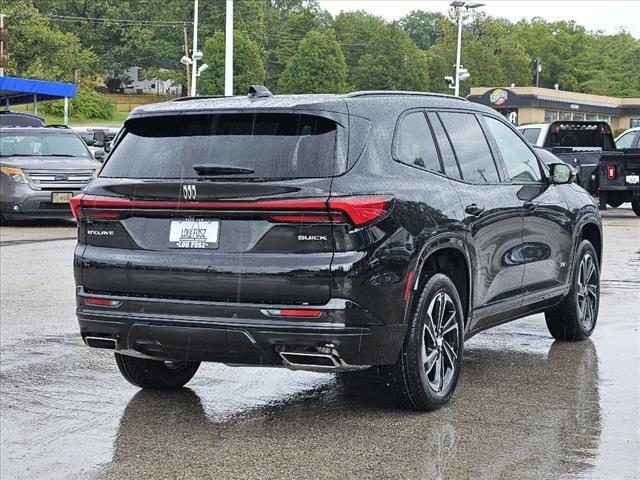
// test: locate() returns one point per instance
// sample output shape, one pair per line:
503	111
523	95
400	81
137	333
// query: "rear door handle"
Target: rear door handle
474	210
530	205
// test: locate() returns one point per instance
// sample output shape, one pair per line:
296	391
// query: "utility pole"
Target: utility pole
195	57
186	54
4	55
538	70
228	51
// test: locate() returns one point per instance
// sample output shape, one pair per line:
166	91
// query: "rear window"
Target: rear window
579	136
267	145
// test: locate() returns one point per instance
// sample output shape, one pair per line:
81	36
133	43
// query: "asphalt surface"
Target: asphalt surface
525	407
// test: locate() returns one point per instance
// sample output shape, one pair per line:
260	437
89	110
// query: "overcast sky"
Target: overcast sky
594	15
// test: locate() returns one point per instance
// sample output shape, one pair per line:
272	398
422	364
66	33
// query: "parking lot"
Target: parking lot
526	406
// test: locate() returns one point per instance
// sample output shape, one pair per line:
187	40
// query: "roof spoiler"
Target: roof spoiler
259	91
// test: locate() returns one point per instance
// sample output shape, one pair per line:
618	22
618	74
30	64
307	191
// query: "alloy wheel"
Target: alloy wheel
587	291
440	342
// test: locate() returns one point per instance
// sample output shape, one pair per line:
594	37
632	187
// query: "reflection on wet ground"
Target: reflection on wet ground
526	407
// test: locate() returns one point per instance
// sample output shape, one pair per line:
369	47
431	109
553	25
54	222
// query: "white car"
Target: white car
535	133
629	138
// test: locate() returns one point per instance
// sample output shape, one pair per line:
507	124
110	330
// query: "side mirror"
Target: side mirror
107	147
99	155
561	173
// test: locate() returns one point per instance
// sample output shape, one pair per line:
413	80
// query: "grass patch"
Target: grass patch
117	119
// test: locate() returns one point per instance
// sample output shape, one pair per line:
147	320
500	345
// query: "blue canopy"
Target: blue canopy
17	91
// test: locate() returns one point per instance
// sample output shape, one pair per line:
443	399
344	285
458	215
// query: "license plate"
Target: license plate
61	197
633	179
194	234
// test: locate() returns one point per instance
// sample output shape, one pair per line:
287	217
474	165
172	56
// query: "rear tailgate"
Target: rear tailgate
155	227
620	170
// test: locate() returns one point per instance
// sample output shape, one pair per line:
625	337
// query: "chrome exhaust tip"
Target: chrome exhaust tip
324	359
100	342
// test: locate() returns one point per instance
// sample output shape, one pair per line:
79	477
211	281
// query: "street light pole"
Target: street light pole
228	51
459	5
457	77
195	49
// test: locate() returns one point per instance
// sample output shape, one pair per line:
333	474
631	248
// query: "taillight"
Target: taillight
359	210
612	172
76	202
101	302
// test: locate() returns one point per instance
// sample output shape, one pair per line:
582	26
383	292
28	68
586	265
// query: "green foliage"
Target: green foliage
318	66
88	104
111	35
354	30
424	28
392	62
248	68
490	54
39	49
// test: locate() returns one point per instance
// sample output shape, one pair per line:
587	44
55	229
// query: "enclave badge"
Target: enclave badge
189	192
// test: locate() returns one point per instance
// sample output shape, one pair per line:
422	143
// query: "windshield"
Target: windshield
261	145
42	144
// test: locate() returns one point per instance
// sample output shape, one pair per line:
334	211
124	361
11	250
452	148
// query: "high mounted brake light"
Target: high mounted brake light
359	210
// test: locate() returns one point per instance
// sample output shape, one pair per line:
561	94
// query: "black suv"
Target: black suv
327	232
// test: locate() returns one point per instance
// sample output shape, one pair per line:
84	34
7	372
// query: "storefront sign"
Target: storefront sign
498	96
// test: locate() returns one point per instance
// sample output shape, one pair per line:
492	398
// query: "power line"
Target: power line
122	21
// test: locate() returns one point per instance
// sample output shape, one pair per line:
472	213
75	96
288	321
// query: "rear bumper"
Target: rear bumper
172	329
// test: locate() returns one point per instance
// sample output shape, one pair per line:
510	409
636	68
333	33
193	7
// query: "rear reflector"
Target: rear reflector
612	172
359	210
407	288
101	302
292	312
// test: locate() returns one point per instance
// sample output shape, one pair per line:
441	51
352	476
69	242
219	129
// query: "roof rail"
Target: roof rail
199	97
382	93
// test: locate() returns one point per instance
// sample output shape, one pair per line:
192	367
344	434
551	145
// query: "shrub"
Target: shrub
88	104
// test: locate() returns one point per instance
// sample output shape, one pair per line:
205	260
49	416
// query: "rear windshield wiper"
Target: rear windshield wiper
211	169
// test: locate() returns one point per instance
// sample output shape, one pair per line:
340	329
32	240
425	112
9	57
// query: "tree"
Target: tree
318	66
490	52
354	31
38	49
392	62
424	28
248	68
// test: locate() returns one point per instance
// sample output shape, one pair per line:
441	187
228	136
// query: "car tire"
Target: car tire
635	205
155	374
3	220
427	371
575	318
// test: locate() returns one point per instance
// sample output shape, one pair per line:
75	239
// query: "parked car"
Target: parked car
42	168
96	138
22	119
327	232
629	139
606	171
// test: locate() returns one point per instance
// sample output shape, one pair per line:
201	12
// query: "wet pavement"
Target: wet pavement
525	407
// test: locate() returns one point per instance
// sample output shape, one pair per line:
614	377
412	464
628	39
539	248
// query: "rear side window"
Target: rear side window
263	145
471	147
415	145
531	134
626	140
522	164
